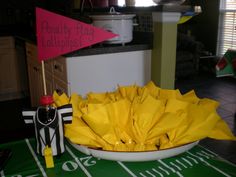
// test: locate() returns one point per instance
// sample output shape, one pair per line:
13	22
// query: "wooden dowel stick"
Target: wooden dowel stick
44	79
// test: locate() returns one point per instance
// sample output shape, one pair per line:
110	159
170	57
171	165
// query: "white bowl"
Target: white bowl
134	156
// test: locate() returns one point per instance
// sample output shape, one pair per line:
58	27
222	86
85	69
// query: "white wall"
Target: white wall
101	73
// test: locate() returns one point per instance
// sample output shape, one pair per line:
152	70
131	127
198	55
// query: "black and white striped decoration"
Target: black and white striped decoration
52	133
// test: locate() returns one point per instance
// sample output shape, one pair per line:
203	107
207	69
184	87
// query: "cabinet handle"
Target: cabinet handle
58	67
36	69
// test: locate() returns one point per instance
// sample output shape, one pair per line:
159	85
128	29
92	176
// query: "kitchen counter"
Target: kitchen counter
157	8
140	41
106	49
137	44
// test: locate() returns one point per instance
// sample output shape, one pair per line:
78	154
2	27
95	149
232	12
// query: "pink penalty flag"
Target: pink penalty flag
58	35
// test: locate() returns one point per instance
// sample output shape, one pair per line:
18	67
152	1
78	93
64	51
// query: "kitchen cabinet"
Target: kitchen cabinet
90	73
55	75
13	78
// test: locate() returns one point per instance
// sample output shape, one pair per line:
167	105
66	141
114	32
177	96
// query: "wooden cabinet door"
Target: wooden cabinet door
60	86
8	72
60	75
35	83
49	83
22	65
13	76
59	68
55	73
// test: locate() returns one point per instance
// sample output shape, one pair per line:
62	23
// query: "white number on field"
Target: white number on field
69	166
87	161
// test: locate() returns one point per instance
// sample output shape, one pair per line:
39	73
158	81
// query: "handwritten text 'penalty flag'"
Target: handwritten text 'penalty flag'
58	35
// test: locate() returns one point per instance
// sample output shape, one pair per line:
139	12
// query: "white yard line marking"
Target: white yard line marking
172	169
203	155
142	175
164	170
208	150
207	154
176	166
126	169
78	162
193	159
217	155
157	172
167	166
148	172
181	163
35	158
215	168
184	159
2	173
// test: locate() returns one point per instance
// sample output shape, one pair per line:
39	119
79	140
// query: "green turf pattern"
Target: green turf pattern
194	163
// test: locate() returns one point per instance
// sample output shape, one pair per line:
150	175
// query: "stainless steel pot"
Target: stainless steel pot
121	24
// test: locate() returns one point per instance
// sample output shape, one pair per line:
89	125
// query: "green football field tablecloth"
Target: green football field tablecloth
197	162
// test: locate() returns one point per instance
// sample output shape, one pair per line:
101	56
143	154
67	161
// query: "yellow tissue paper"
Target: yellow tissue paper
144	118
221	131
111	123
79	132
134	118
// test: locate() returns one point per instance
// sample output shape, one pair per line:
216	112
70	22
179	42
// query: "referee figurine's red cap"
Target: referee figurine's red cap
46	100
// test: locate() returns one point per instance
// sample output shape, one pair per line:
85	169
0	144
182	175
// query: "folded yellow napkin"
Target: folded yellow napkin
111	122
134	118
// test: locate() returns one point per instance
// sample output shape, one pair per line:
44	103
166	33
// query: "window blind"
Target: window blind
227	26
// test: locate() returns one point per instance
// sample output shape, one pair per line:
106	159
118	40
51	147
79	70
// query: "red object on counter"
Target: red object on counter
221	64
46	100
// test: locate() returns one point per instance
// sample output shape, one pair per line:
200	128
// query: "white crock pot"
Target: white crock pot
121	24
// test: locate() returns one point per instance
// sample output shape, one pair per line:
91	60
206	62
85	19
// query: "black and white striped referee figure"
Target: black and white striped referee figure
49	132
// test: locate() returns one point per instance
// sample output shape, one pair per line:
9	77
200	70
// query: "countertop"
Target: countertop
141	40
103	48
157	8
109	48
